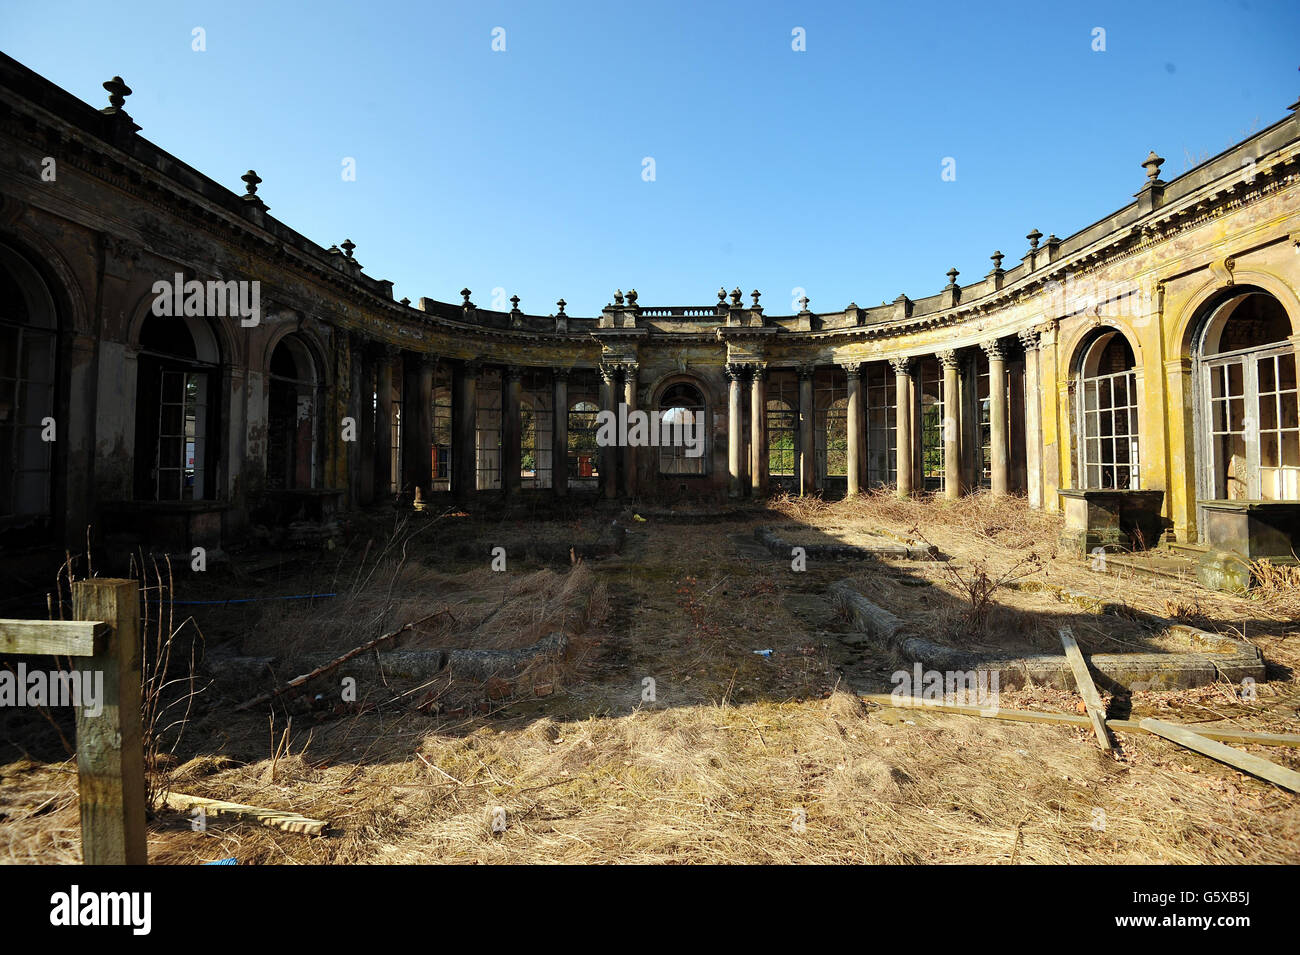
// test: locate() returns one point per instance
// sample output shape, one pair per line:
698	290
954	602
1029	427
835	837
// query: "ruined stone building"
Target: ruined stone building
1139	374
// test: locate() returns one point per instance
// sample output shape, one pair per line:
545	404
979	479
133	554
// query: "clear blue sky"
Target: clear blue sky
774	168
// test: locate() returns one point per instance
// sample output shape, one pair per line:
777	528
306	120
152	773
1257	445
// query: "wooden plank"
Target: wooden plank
70	638
110	754
1225	734
1238	758
1087	690
288	821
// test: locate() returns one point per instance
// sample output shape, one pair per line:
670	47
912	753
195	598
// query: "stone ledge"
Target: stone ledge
1221	657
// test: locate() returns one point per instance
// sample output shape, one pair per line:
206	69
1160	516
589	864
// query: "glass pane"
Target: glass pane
1267	374
1268	411
1291	449
1268	449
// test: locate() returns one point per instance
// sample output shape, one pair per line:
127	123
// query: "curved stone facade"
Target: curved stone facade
1089	363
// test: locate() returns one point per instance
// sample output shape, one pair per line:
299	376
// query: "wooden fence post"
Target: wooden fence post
110	753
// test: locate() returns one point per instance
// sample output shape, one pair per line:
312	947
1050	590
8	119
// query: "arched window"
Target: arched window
293	413
681	431
1250	418
28	337
584	457
1107	409
782	421
176	404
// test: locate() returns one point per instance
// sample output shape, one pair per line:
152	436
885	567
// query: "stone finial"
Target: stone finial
465	294
803	303
631	296
735	296
117	92
560	305
347	245
1033	238
251	181
514	303
952	274
405	301
1152	165
618	296
754	296
997	258
722	294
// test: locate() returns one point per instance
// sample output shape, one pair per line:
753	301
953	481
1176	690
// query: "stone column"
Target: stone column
417	429
384	422
512	432
608	452
951	427
464	422
807	421
903	424
758	464
1033	420
853	427
629	450
735	441
365	355
560	433
998	417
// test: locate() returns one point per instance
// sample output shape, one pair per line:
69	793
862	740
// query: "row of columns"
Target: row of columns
747	457
954	414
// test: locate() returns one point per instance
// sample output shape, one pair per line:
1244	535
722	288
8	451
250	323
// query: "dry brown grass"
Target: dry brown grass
726	783
718	767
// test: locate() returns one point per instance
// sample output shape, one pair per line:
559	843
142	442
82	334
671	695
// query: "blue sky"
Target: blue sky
774	169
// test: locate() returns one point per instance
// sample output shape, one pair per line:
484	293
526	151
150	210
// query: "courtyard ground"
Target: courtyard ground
706	707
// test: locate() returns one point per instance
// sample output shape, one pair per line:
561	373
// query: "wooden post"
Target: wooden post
110	754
